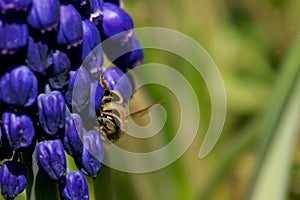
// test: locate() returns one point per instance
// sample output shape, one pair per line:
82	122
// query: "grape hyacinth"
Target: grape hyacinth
47	49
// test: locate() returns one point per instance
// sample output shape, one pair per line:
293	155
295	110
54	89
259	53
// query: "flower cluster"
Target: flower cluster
47	49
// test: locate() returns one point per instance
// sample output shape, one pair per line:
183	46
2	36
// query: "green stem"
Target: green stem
91	185
286	87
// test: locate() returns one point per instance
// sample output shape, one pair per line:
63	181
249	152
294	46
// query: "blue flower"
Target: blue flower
58	71
52	110
78	92
12	179
70	29
91	38
72	135
92	155
37	55
18	129
51	158
115	20
133	57
44	15
126	55
19	87
93	58
14	33
74	186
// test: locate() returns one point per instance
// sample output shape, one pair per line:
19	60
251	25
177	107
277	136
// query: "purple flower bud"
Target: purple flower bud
116	79
115	20
37	55
12	179
74	186
51	158
97	14
133	57
51	112
125	55
18	86
44	15
91	38
70	27
14	33
78	93
18	129
91	159
6	5
58	72
72	136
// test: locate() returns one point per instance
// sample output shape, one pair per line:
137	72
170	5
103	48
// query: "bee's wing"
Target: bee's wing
143	111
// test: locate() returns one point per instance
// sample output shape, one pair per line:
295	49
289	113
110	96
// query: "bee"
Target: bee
113	114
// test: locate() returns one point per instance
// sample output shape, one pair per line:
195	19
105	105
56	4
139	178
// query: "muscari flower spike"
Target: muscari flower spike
18	129
14	33
44	15
72	135
51	158
19	86
38	39
90	161
12	179
70	29
52	110
74	186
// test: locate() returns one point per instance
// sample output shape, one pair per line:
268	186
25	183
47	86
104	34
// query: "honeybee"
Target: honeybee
113	114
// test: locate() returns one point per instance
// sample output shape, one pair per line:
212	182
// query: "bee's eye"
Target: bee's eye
106	92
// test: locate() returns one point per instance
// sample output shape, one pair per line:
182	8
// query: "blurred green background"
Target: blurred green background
251	42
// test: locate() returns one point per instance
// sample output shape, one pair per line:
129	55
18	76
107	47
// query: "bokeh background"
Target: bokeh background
251	42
